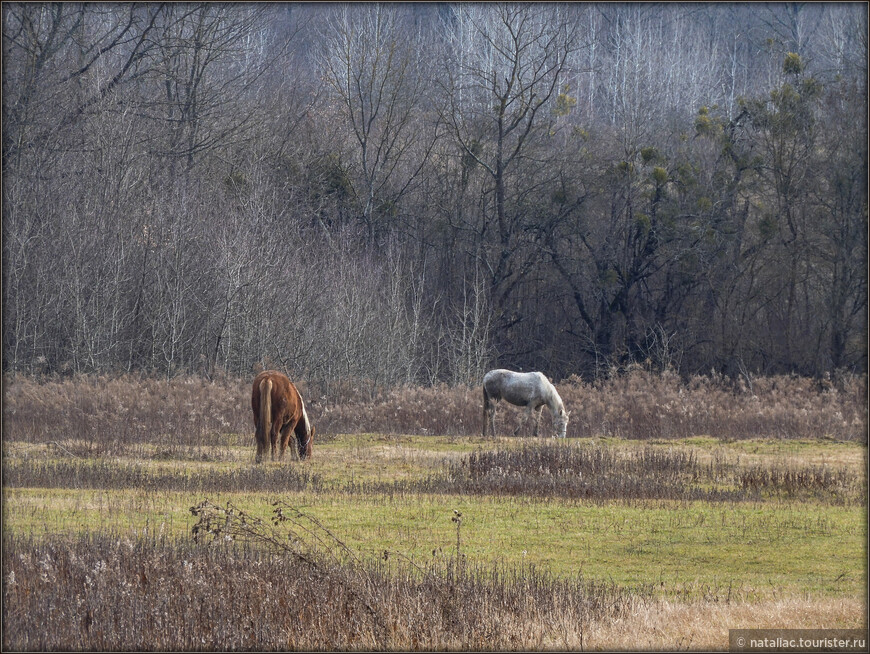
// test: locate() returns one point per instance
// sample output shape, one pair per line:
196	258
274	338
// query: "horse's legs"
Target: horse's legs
260	438
488	413
261	447
273	438
531	413
286	433
537	417
283	442
525	419
490	410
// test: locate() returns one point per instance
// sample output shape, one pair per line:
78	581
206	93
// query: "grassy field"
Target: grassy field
680	552
519	543
691	550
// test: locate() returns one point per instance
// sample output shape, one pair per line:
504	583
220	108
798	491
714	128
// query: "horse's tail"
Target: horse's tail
486	401
264	428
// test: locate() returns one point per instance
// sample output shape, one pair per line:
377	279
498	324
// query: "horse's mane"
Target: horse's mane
305	421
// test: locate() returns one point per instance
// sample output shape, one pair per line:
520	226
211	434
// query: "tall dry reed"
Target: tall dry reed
108	415
245	588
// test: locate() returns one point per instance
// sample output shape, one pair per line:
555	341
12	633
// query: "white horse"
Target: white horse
529	389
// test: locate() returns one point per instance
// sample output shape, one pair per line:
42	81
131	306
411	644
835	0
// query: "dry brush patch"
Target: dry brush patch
100	474
107	592
102	415
661	405
290	584
539	469
105	416
603	474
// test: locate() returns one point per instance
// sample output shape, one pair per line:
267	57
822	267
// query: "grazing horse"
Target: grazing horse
529	389
278	408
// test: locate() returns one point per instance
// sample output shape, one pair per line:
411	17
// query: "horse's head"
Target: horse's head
305	441
561	422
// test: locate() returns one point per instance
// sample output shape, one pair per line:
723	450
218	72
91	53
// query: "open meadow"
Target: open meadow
134	517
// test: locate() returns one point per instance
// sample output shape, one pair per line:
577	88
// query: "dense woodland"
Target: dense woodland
412	193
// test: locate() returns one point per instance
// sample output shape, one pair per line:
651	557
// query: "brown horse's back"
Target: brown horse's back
283	393
278	411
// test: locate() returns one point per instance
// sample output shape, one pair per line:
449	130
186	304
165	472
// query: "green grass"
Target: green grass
792	549
683	549
383	457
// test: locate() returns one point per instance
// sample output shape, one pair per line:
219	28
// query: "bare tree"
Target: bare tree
40	41
469	334
207	61
373	63
502	72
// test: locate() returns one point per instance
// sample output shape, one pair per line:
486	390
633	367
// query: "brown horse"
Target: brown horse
278	408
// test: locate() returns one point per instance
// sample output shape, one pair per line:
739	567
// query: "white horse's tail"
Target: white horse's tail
486	401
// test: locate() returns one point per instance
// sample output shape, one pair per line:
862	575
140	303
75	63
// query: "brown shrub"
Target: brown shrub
109	415
652	405
603	474
638	405
38	473
107	593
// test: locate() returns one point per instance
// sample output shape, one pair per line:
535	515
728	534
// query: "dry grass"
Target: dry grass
636	405
102	474
603	473
109	416
674	626
107	592
102	416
